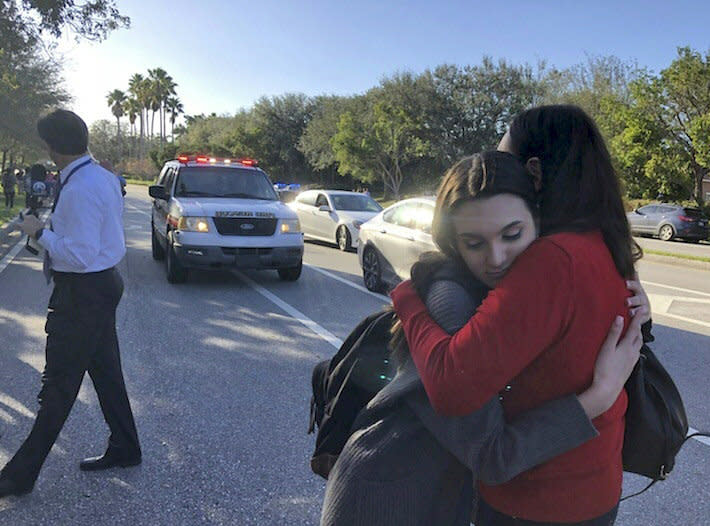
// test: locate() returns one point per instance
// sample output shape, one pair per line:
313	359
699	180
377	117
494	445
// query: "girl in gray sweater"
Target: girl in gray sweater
406	465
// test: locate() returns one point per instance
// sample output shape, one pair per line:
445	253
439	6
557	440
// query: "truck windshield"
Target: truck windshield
216	181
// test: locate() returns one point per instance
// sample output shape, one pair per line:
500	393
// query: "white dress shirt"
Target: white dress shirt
87	224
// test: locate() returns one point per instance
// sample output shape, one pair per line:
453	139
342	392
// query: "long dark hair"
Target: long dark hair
580	189
481	175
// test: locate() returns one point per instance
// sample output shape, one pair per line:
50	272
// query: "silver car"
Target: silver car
391	242
334	216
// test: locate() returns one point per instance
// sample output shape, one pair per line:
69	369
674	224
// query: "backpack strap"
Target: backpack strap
664	475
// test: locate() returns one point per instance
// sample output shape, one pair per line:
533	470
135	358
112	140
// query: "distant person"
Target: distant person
83	245
366	191
9	182
108	166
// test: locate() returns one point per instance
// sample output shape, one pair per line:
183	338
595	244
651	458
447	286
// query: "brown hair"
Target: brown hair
480	175
580	189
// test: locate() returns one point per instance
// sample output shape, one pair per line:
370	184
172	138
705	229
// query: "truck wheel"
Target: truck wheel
176	273
157	250
292	273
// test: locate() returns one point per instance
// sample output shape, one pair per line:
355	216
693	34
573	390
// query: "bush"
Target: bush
138	169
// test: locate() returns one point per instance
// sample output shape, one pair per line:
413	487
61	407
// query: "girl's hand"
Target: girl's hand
638	303
614	364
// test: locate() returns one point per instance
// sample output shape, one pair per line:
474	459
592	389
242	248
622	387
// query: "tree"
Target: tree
23	23
380	140
274	128
315	141
471	106
116	100
175	108
136	87
666	125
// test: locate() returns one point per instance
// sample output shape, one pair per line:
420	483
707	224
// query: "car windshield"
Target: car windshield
355	203
215	181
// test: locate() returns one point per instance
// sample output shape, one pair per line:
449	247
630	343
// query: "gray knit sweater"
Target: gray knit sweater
406	465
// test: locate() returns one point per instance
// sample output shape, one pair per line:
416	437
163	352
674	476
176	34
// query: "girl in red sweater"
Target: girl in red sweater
537	334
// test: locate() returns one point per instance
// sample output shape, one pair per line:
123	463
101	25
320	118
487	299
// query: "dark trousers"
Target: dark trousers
9	199
81	336
488	516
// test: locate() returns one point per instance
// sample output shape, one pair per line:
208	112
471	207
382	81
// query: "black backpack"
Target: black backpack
343	386
656	423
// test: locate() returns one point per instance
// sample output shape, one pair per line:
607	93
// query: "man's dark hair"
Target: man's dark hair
64	132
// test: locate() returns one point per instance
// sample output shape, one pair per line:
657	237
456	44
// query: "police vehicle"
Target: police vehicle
214	213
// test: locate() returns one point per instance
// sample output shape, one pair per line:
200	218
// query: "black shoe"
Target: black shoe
10	487
110	459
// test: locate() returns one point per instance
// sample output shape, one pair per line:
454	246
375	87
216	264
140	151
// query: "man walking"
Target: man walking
83	245
9	182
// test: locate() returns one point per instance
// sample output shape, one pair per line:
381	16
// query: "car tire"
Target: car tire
291	273
372	270
666	233
176	272
156	248
342	238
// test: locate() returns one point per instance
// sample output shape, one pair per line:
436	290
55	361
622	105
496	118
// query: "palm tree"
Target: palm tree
135	88
175	108
116	100
162	87
132	108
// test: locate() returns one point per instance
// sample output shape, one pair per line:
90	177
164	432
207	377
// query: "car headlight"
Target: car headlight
193	224
357	224
290	226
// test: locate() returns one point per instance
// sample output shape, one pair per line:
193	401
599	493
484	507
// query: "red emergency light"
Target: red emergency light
204	159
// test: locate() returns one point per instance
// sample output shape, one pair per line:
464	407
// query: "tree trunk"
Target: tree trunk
700	174
4	157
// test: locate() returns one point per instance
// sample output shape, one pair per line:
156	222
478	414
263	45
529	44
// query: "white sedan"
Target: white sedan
393	241
334	216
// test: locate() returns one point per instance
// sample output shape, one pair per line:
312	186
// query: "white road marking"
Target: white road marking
292	311
4	262
12	254
691	291
661	304
702	440
349	283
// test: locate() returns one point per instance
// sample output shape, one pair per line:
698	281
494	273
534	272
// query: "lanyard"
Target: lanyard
66	180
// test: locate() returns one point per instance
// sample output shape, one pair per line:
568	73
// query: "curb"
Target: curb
677	261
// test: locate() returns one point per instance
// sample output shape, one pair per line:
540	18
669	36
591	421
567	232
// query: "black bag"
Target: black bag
343	386
656	423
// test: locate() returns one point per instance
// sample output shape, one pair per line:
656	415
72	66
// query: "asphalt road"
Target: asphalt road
218	371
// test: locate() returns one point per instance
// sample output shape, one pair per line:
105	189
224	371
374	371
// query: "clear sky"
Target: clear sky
225	54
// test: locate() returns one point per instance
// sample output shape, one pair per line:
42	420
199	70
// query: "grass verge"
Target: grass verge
6	214
676	255
141	182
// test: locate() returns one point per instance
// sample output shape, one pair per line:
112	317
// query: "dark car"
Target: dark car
669	221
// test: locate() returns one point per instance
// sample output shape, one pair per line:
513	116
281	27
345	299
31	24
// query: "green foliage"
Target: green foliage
163	153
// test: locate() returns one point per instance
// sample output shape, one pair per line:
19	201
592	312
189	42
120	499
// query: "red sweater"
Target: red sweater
538	332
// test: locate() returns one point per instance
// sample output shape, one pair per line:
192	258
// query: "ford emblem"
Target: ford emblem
246	226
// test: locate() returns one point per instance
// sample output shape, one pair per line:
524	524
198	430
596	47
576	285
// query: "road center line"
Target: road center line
349	283
292	311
